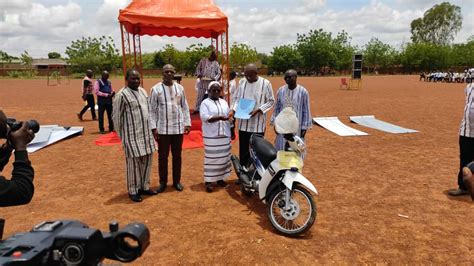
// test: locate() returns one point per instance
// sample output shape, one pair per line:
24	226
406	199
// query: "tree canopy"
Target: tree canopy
439	24
97	54
53	55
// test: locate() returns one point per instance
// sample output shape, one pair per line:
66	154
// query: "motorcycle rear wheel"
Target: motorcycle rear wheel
299	217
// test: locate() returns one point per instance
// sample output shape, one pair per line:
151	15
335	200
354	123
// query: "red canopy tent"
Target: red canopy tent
183	18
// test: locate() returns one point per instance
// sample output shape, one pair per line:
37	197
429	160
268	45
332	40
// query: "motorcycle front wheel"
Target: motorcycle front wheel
298	217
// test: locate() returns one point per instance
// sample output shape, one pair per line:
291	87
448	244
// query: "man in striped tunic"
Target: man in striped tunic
131	118
259	90
207	70
169	119
296	97
466	140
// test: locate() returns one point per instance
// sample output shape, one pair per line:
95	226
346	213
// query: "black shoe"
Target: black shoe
161	189
178	187
458	192
79	116
222	183
135	197
148	192
102	132
209	187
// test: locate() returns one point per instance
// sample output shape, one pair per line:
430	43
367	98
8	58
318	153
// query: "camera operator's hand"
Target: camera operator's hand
20	138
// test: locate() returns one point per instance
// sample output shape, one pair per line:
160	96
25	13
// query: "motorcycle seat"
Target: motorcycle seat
265	151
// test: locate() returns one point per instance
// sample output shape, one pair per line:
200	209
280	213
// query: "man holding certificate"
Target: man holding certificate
250	103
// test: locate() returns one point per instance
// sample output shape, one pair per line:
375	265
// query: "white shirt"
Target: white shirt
210	108
261	92
169	110
467	124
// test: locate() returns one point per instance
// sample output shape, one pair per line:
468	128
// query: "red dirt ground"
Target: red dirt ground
365	183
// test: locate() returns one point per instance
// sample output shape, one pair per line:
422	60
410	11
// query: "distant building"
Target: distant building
12	64
47	63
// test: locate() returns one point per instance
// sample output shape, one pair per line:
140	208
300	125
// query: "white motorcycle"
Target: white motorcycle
276	178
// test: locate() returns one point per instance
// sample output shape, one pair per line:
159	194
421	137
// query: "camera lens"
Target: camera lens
73	254
131	242
33	125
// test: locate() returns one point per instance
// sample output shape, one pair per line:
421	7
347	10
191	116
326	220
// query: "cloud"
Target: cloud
40	27
15	5
34	27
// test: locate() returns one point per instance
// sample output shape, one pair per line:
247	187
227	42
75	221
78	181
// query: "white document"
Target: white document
372	122
334	125
57	133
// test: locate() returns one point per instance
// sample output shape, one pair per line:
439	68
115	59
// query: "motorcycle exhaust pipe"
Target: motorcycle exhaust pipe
241	174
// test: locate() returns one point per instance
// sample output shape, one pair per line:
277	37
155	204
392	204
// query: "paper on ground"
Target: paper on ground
43	134
58	133
334	125
244	108
372	122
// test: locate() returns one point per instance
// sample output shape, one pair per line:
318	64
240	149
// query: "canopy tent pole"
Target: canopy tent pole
125	45
197	18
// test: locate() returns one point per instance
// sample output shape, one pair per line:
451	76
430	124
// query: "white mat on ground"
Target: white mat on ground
372	122
333	124
50	134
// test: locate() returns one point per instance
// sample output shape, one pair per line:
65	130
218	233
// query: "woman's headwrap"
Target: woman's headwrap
213	83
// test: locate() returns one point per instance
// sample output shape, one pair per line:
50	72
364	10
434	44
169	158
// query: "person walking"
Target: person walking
88	95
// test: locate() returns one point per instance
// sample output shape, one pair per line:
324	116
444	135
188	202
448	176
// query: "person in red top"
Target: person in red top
88	95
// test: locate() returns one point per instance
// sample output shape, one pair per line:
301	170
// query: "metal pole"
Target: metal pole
124	60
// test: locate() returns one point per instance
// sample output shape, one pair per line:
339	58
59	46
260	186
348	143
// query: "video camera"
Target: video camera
70	242
15	125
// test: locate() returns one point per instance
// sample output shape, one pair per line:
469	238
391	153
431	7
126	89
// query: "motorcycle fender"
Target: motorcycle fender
292	177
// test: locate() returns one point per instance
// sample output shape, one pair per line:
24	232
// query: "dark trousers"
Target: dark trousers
466	155
164	144
108	109
244	141
90	104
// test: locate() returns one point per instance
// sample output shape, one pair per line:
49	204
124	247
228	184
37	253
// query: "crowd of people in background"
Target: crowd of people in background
448	76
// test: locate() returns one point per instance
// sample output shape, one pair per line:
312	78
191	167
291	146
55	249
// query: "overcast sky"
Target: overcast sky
42	26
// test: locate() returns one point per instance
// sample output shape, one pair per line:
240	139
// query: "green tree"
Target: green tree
425	56
264	58
462	55
242	54
285	57
53	55
170	55
26	59
378	54
97	54
148	60
438	25
343	50
319	49
194	53
4	57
